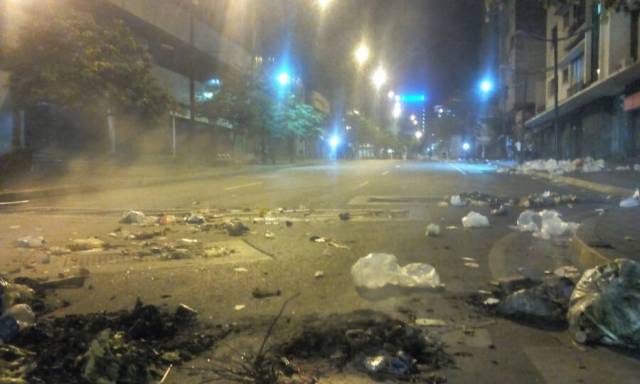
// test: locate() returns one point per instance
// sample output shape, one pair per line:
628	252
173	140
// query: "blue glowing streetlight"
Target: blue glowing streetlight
284	79
486	86
334	141
466	146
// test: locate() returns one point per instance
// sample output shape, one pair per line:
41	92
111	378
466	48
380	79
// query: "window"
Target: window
577	71
565	75
551	88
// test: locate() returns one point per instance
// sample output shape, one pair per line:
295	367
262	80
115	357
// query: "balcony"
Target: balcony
575	88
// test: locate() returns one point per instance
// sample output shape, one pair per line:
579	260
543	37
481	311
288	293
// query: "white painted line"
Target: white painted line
14	202
457	168
385	173
361	185
243	186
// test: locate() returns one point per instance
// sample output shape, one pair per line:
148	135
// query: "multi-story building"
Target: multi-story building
516	60
190	49
598	81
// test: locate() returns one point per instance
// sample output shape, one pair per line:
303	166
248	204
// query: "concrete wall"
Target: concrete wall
174	19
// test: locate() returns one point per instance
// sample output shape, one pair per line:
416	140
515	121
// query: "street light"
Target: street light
391	95
284	79
466	146
379	78
323	3
334	142
362	54
486	86
418	135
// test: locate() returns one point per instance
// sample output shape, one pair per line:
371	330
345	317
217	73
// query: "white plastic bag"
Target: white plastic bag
456	201
526	221
377	270
475	220
631	202
433	230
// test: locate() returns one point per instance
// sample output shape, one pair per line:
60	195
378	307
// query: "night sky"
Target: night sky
430	46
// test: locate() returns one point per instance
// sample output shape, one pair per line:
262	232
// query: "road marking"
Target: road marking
361	185
385	173
457	168
243	186
6	203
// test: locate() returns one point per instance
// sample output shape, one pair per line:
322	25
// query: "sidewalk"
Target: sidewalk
614	234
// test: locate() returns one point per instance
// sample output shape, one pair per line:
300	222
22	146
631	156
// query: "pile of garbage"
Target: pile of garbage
371	342
555	167
125	347
547	199
478	199
631	201
545	224
602	305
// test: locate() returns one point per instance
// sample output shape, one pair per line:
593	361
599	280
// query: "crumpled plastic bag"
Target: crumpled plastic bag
631	202
605	305
456	201
475	220
545	224
378	270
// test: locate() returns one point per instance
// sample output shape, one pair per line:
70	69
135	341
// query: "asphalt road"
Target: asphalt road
390	202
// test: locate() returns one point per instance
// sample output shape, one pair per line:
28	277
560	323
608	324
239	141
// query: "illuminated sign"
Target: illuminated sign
413	98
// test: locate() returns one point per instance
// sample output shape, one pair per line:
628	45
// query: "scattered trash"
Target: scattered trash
344	216
456	201
433	230
547	199
599	211
289	223
623	168
239	307
556	167
167	219
217	251
318	239
22	314
430	322
569	271
452	227
124	347
605	305
631	202
443	204
636	167
86	244
31	242
544	224
500	211
471	265
470	259
133	217
240	270
382	347
335	244
261	293
547	301
491	301
269	235
377	270
14	227
628	238
195	219
188	242
475	220
318	274
236	228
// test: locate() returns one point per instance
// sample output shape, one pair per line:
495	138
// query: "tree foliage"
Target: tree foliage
64	57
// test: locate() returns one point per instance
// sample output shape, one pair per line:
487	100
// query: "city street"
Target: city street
390	204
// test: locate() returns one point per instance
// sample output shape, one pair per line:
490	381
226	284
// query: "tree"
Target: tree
63	57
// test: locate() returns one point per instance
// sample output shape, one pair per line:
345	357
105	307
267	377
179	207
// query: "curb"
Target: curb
584	256
588	185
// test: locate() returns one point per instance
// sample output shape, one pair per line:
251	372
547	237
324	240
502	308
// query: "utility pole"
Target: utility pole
192	82
556	128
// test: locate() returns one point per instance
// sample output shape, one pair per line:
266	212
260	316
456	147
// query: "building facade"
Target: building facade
598	77
190	55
